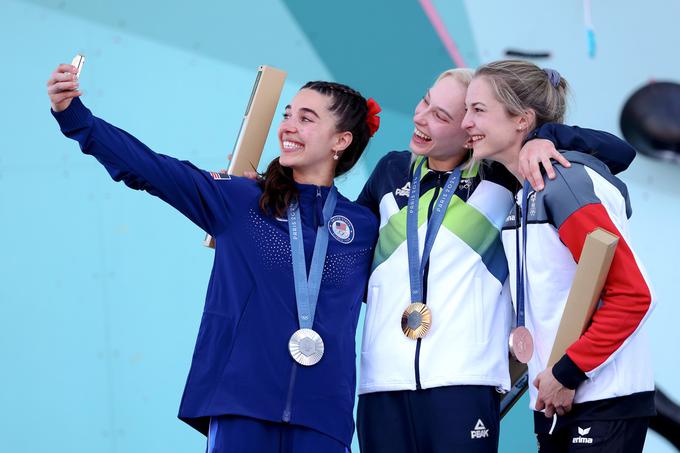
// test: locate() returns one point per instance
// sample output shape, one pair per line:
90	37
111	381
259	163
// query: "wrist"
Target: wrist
544	131
567	373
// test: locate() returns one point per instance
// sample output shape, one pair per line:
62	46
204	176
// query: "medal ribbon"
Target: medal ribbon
307	288
416	264
521	272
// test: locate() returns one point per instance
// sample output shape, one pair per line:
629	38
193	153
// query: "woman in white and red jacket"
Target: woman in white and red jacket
599	395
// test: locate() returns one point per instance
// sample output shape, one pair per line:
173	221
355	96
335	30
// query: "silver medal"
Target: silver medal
306	347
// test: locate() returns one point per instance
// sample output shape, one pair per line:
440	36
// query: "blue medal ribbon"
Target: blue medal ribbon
416	264
521	272
307	288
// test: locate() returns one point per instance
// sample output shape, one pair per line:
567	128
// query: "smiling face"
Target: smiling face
437	121
308	138
493	133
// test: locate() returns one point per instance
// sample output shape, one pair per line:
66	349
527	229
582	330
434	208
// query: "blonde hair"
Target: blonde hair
462	75
520	85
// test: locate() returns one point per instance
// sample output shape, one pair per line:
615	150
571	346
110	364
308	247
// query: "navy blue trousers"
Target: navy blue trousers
463	418
235	434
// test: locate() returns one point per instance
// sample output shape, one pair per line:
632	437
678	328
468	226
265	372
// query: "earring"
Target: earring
336	156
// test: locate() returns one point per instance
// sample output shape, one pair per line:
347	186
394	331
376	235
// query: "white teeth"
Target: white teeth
472	139
291	145
422	135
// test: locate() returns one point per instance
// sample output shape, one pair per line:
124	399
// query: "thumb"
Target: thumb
540	404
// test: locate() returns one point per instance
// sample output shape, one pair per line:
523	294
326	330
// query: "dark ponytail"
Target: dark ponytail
350	110
278	189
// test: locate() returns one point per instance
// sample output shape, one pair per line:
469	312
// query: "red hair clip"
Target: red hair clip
372	118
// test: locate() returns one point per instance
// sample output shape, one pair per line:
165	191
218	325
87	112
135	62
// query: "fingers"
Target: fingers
561	159
562	409
547	164
534	176
251	174
67	68
523	167
63	73
551	408
61	77
540	404
64	95
546	160
61	86
549	411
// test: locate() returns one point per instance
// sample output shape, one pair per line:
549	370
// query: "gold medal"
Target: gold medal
416	320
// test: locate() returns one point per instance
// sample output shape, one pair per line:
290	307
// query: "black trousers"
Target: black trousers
451	419
610	436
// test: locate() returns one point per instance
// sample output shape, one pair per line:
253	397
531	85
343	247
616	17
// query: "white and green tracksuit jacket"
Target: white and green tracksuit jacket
466	279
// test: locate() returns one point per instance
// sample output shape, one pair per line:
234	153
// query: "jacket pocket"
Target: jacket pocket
481	312
370	318
218	330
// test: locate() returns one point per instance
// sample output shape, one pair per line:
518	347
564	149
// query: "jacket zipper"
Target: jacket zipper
319	207
425	275
289	399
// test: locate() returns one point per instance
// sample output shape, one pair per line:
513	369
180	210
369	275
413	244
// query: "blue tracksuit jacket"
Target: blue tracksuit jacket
241	364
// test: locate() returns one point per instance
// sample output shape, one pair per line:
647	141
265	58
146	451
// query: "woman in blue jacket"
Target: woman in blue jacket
274	364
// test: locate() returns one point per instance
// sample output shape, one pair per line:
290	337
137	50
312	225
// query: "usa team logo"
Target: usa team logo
222	175
341	229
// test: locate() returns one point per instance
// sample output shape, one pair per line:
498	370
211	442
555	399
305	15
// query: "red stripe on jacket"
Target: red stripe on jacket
626	296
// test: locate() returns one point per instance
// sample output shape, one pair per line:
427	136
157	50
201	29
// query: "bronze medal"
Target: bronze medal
416	320
521	344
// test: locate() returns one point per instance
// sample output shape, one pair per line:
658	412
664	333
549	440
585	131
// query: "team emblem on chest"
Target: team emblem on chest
341	229
224	176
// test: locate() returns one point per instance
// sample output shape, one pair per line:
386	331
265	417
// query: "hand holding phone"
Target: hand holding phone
63	84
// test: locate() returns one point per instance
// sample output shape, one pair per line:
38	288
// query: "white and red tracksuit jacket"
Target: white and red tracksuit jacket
610	364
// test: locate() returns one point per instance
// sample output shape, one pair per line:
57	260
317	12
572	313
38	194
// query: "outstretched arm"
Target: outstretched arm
192	191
